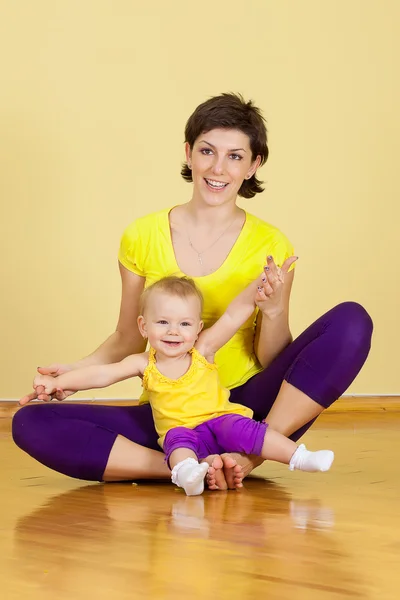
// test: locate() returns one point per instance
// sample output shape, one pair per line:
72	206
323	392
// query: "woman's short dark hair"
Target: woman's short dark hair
230	111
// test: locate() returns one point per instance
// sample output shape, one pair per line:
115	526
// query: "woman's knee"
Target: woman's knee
25	424
353	321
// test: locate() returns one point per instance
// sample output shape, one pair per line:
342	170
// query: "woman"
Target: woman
222	248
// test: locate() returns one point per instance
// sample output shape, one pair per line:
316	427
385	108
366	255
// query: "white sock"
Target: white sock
305	460
189	475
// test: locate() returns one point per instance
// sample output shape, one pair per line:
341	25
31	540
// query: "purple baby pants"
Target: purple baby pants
228	433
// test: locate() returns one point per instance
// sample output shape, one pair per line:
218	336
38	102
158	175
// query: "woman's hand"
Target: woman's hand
39	393
269	298
47	382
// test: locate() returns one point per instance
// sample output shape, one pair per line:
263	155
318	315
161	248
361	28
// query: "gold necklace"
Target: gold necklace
200	254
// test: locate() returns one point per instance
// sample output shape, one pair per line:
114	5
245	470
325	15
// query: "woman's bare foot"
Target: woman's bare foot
215	477
237	466
234	473
224	472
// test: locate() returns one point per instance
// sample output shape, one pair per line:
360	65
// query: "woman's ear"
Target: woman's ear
142	326
188	153
254	167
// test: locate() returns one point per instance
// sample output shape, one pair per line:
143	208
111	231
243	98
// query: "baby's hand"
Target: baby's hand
48	382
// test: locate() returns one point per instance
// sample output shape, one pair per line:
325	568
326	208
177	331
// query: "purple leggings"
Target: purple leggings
76	439
227	433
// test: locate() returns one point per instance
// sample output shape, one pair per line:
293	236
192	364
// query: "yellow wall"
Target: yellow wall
94	98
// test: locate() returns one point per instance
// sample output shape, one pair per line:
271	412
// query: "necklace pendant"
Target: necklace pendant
200	259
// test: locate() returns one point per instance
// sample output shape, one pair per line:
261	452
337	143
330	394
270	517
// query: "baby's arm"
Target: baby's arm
95	376
238	311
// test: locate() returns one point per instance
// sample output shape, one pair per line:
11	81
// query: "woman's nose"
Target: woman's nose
218	166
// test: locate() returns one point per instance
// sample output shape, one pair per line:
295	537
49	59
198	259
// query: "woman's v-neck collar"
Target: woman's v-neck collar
230	262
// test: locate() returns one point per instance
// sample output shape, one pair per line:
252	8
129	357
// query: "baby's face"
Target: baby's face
172	324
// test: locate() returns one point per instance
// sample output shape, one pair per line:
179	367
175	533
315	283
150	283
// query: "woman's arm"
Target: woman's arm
272	329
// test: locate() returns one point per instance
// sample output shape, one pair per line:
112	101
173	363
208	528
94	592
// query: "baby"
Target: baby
191	409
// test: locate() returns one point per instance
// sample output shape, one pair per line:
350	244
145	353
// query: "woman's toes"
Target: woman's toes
238	479
228	461
215	475
230	469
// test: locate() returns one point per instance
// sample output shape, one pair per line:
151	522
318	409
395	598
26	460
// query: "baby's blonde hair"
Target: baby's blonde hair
183	287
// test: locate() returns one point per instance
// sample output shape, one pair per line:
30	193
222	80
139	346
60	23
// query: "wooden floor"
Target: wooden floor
286	535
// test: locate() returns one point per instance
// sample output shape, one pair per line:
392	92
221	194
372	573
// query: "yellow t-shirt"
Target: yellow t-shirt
146	249
194	398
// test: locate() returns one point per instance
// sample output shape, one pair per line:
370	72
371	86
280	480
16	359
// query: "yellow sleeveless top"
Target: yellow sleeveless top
146	249
194	398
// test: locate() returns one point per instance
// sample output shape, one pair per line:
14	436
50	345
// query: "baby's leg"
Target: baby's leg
279	448
181	449
236	433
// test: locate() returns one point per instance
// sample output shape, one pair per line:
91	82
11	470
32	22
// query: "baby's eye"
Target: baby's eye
162	322
186	324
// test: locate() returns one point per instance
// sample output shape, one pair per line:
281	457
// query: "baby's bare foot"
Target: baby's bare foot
215	477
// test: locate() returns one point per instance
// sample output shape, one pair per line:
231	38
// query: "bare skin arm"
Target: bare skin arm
271	293
272	330
94	376
238	311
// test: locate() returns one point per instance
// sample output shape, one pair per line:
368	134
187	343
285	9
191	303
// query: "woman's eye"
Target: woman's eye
206	151
236	156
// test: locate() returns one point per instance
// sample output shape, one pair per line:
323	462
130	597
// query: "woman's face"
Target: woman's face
220	160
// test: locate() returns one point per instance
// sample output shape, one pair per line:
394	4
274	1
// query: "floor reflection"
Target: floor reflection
157	536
